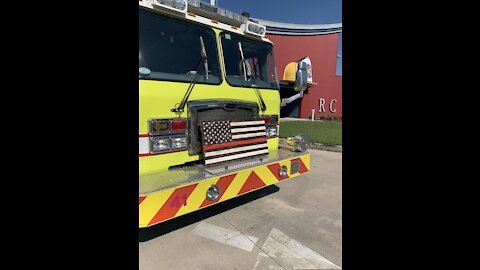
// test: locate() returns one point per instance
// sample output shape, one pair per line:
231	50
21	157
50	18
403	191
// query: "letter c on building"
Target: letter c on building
331	105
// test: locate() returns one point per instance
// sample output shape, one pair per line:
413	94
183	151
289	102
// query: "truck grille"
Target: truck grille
228	140
216	110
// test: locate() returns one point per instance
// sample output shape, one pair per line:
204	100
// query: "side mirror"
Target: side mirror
301	77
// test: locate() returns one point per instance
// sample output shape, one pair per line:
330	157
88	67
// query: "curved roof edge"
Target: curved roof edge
300	29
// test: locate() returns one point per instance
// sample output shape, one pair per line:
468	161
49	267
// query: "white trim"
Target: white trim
143	145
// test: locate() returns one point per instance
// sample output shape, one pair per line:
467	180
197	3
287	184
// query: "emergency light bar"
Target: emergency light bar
254	29
216	13
174	5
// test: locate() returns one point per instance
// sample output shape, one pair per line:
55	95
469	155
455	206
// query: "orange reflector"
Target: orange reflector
234	27
192	14
214	21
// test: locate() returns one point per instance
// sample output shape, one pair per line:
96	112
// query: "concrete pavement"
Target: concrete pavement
295	224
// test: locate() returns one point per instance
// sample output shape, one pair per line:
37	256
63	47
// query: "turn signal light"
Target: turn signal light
159	126
179	124
270	120
167	126
266	118
271	123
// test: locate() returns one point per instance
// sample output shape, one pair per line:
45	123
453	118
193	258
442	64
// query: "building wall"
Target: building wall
322	50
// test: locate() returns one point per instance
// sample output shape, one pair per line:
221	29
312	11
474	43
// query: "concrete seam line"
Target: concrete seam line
266	253
225	236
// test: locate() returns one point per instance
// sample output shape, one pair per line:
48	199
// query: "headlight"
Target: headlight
179	142
272	131
160	144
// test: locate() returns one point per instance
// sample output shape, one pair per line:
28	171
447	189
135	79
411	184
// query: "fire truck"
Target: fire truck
209	110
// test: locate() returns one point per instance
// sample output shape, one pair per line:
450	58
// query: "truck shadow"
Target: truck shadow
149	233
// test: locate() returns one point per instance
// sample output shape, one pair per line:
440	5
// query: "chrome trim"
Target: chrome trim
176	177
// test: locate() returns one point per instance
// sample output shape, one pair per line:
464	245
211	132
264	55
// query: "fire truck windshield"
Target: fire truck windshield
169	49
258	55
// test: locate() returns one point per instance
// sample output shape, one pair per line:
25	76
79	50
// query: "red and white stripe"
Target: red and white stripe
247	139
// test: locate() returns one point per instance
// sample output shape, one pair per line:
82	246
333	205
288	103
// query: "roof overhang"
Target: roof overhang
280	28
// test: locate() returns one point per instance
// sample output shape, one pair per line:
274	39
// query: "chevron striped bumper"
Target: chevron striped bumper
174	193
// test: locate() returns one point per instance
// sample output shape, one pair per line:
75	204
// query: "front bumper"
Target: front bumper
166	195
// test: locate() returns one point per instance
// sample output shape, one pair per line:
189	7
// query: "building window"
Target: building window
339	55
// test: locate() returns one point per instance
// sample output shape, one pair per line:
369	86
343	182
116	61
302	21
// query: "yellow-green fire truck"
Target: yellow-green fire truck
209	112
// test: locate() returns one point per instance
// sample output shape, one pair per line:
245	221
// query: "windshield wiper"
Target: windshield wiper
247	71
203	54
203	61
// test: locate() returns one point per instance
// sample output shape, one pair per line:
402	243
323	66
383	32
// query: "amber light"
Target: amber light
160	126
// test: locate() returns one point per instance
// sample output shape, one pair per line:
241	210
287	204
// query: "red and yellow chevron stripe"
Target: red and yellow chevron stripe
170	203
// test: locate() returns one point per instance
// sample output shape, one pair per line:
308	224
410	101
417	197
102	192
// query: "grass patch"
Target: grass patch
327	133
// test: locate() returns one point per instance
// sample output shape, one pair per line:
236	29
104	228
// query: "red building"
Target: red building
293	42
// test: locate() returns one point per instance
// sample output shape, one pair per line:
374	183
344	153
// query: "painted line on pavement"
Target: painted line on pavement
226	236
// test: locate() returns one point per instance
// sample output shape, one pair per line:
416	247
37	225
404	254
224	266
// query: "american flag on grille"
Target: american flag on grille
228	140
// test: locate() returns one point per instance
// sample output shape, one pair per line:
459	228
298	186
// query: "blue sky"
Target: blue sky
291	11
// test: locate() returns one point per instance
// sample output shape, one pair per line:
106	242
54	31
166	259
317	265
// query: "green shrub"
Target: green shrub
330	117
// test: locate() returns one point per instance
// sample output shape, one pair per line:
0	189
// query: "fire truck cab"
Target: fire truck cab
194	69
